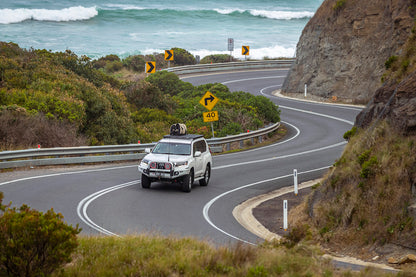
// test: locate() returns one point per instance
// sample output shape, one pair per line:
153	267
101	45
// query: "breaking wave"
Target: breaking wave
280	15
9	16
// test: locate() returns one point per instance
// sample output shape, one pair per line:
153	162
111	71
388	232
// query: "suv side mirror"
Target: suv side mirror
197	154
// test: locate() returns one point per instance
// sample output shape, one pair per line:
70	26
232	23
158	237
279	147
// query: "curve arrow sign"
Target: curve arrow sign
150	67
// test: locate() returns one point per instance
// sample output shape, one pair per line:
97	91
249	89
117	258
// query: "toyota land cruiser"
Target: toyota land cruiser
178	159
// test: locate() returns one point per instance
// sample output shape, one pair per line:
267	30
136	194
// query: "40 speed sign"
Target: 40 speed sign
210	116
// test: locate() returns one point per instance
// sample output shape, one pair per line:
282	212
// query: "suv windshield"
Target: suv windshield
172	148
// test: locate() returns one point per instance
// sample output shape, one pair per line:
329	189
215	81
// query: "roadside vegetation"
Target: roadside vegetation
367	199
42	94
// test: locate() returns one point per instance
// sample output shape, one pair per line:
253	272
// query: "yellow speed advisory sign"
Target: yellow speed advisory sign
210	116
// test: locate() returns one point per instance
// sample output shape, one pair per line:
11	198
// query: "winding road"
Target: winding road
108	199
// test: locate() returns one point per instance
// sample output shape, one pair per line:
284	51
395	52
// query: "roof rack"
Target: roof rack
187	136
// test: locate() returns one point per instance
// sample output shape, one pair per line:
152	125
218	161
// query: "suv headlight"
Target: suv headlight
178	164
144	163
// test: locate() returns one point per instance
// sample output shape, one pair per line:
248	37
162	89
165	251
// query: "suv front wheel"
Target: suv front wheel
145	182
187	182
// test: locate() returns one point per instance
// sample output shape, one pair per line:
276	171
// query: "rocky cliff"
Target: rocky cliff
343	48
395	102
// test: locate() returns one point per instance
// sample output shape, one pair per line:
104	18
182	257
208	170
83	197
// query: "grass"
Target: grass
142	255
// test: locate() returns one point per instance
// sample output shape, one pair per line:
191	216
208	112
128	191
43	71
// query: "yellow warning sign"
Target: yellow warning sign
208	100
210	116
150	67
168	55
245	50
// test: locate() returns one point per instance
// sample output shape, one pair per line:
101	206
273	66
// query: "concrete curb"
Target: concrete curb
243	213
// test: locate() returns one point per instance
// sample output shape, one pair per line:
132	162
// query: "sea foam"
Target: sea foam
8	16
282	15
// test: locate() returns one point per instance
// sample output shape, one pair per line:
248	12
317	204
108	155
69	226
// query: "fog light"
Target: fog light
176	173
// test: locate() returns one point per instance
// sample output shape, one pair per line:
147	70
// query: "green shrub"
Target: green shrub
135	63
144	94
112	67
339	5
33	243
349	134
388	64
183	57
368	167
364	157
231	128
217	58
169	83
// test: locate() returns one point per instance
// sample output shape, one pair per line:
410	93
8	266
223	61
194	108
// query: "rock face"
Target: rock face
394	102
343	48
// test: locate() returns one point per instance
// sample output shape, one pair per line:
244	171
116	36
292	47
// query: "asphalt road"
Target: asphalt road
108	199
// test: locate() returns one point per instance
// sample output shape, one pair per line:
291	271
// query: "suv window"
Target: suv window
200	146
172	148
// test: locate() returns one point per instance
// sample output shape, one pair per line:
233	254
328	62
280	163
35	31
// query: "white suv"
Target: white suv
177	158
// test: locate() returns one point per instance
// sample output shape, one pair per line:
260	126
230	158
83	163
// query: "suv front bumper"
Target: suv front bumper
172	174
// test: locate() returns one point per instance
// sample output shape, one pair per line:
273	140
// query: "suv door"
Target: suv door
199	161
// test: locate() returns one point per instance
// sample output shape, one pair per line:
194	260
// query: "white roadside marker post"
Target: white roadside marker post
306	89
295	181
285	215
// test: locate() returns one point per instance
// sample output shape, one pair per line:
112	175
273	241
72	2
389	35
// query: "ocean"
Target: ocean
95	28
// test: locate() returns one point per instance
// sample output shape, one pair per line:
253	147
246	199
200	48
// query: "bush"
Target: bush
217	58
349	134
339	5
169	83
183	57
19	130
231	128
33	243
388	64
135	63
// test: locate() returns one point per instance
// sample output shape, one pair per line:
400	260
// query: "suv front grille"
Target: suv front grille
163	166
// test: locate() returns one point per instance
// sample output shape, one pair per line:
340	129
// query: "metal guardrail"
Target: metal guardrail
106	153
266	64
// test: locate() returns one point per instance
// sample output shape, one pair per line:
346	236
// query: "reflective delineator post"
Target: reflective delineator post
295	181
285	215
306	90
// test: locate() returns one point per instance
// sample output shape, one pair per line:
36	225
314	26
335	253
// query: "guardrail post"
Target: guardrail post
260	139
241	143
228	147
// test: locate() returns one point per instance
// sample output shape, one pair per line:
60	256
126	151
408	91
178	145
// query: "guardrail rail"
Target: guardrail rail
246	65
106	153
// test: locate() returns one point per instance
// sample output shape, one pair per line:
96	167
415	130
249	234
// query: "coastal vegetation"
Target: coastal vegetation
367	199
42	94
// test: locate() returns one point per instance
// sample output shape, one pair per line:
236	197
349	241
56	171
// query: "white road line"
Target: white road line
84	203
267	146
64	173
284	156
207	206
250	79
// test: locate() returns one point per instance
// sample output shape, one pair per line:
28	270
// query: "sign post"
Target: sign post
231	47
209	101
